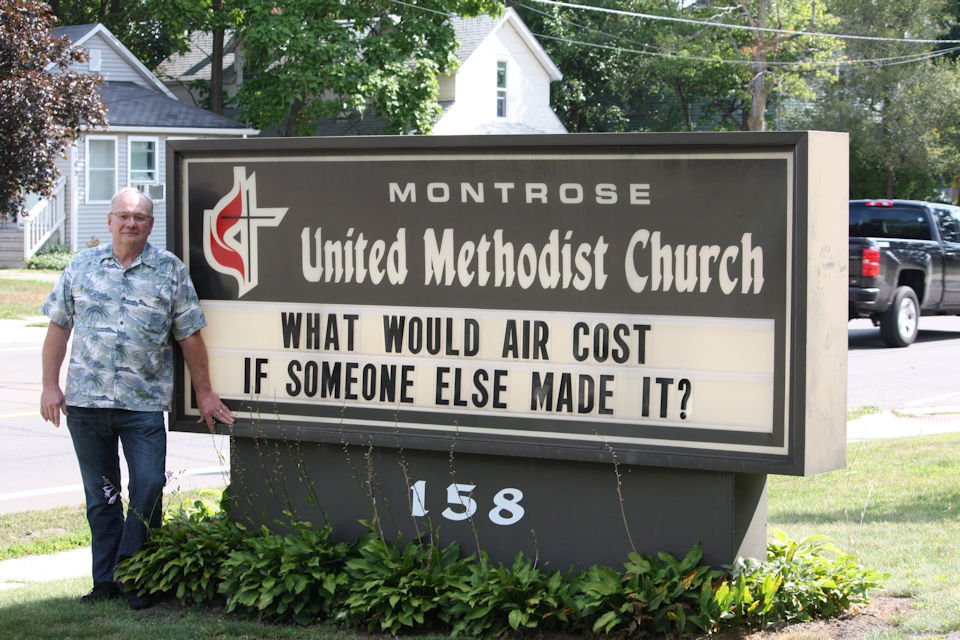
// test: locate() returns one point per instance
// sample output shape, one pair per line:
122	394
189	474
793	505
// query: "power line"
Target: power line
724	25
655	52
659	52
882	62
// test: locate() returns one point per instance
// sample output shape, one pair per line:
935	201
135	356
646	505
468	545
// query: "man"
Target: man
123	301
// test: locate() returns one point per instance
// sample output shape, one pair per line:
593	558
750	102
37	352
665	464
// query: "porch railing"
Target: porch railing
45	218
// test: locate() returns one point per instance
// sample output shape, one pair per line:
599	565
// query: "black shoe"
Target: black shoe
138	602
102	591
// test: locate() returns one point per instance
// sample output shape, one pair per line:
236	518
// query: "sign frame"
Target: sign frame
810	348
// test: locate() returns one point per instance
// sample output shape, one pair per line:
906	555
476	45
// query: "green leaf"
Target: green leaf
606	622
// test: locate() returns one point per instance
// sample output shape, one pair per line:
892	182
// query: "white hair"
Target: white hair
136	191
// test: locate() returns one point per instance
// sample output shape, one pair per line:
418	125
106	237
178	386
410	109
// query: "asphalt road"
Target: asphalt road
37	465
924	375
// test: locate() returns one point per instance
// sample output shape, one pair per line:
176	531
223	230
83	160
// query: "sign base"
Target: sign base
565	514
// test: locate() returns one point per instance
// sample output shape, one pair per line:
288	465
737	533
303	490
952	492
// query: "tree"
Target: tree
809	54
42	103
309	59
155	29
899	106
151	29
134	22
682	72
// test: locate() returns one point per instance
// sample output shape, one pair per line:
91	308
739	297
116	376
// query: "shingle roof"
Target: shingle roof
471	32
195	63
74	32
132	105
500	127
352	123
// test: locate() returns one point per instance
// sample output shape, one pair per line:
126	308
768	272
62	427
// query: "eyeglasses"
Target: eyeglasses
128	217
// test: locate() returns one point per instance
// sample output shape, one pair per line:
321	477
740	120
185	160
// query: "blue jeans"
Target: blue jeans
96	434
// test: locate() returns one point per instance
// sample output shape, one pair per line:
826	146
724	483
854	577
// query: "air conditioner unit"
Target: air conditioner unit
154	191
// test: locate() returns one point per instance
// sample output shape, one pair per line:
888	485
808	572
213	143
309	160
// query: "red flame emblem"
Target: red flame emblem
230	231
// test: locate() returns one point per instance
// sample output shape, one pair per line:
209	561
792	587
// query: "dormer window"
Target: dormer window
501	88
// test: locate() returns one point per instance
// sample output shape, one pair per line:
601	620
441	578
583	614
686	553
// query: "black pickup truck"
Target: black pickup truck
904	263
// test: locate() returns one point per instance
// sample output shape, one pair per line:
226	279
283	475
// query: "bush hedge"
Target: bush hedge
52	257
300	575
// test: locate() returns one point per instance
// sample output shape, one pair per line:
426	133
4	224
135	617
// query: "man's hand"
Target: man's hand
52	403
212	411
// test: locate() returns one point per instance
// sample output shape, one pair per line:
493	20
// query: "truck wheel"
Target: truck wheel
899	323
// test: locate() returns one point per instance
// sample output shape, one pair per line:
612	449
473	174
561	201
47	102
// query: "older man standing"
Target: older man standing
123	301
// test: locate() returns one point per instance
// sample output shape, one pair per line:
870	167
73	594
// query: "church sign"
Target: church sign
675	299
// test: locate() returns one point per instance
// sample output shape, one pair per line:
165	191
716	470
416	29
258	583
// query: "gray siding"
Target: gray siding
113	67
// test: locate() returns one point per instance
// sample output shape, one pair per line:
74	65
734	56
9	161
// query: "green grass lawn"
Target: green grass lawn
896	507
22	298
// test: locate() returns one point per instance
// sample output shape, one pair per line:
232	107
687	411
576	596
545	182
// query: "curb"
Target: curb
904	423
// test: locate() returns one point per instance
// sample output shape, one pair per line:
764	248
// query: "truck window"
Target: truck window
905	223
948	221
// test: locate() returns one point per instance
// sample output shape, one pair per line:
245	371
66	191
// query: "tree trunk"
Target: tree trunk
684	107
216	72
758	91
216	59
891	183
758	102
293	119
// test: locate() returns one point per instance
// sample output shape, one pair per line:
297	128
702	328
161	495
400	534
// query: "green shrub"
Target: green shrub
496	600
295	577
395	587
184	556
659	595
52	257
800	580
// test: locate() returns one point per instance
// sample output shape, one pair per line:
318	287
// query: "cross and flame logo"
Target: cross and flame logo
230	231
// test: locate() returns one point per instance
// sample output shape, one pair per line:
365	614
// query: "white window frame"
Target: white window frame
502	89
156	160
86	164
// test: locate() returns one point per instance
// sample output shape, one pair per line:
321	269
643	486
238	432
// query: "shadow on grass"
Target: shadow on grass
53	611
918	509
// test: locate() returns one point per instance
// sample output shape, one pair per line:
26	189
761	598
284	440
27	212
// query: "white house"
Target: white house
142	114
501	86
503	82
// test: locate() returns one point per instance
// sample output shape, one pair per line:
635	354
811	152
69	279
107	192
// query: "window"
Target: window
908	223
502	89
143	161
948	221
101	169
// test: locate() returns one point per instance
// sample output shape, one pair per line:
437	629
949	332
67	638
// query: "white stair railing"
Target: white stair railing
45	218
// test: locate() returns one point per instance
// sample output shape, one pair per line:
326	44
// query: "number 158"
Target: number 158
507	509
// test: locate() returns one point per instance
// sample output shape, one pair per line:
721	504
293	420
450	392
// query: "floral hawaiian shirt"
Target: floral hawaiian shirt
122	321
